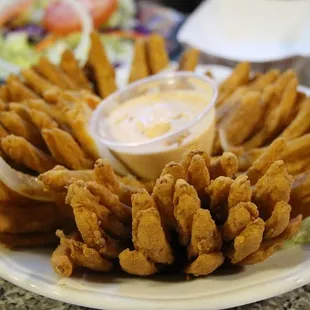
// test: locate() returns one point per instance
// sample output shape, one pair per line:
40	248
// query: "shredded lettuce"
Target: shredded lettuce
123	17
303	236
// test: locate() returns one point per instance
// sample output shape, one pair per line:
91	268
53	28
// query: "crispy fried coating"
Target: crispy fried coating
19	127
70	65
269	247
206	237
187	158
265	79
28	240
247	242
3	105
278	220
139	67
65	149
297	166
61	261
4	93
18	91
54	112
3	132
142	201
42	120
77	119
238	218
103	70
16	219
300	193
83	256
297	148
176	170
21	109
156	53
250	109
226	165
186	203
137	263
205	264
36	82
300	124
148	236
84	203
218	191
189	60
104	175
240	191
262	164
55	75
23	152
198	174
110	201
59	177
163	196
273	187
238	77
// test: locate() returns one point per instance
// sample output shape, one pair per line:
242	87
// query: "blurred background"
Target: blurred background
268	33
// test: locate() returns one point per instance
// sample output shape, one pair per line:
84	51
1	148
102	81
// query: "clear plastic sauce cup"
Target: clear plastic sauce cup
146	158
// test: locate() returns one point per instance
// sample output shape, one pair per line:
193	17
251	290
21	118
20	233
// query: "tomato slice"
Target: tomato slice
62	19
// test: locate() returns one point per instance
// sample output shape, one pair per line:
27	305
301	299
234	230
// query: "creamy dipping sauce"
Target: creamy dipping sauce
151	116
155	121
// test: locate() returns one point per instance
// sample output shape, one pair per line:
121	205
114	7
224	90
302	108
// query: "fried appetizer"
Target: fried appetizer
42	217
29	240
205	264
269	247
21	109
42	120
55	75
78	118
218	192
72	253
226	165
273	187
176	170
24	153
198	175
278	220
65	149
20	127
139	67
137	263
239	76
186	204
163	196
249	109
187	158
148	236
89	212
4	93
247	242
268	157
36	82
240	191
70	66
238	218
59	177
206	237
3	132
18	91
300	124
156	53
102	69
189	60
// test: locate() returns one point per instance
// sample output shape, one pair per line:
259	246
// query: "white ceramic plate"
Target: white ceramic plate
286	270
